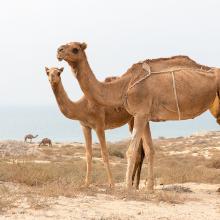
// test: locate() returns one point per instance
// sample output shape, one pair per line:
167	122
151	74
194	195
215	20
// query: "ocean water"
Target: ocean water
16	122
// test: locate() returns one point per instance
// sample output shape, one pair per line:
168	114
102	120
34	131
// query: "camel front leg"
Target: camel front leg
139	123
105	156
149	150
88	139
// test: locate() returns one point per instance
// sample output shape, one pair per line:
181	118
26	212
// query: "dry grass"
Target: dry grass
170	197
213	163
116	153
186	169
35	202
56	179
33	174
64	176
183	174
57	188
6	199
114	217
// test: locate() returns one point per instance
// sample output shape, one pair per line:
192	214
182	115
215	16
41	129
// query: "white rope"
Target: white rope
146	67
175	95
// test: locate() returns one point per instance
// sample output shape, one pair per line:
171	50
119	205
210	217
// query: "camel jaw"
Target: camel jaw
60	58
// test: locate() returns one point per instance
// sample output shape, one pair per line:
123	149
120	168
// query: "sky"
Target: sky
118	34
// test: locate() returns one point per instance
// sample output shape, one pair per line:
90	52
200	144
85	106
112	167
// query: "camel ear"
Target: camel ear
83	46
47	70
60	71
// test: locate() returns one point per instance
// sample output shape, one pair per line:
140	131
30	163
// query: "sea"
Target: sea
47	121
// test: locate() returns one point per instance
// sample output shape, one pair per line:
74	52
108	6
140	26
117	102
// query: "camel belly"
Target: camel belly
166	112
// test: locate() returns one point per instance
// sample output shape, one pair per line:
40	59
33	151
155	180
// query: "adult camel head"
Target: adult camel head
71	52
54	75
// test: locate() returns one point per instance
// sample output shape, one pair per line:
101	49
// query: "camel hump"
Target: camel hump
179	60
111	78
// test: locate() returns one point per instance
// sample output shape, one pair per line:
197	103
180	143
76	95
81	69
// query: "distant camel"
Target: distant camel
30	137
46	141
92	116
153	90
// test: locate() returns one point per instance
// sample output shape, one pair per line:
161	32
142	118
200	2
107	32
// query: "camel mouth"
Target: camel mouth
59	58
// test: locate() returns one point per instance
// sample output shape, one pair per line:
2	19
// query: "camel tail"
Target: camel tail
215	108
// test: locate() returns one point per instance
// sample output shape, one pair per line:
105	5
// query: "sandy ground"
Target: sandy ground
202	203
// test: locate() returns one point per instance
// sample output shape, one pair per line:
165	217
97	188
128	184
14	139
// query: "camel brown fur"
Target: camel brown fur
30	137
46	141
148	97
91	116
215	109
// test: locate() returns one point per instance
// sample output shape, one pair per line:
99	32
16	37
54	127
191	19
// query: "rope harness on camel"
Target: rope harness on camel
146	67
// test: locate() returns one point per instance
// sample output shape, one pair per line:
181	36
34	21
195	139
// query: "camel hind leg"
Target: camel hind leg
149	150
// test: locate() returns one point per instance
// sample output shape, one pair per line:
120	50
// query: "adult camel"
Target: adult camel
154	90
30	137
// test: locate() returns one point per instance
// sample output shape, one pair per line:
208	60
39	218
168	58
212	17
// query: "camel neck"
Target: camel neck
70	109
106	94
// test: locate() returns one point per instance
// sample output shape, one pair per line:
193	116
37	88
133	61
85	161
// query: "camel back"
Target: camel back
160	64
178	61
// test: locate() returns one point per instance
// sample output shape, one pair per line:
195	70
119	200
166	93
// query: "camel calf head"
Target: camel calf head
54	74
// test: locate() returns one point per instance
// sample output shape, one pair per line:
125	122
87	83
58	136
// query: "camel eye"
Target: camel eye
75	50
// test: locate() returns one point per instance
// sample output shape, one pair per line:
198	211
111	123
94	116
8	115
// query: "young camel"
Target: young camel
92	116
180	92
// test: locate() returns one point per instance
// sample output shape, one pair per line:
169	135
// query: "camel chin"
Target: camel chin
60	59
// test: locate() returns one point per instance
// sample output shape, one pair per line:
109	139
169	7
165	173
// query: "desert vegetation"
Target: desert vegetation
43	174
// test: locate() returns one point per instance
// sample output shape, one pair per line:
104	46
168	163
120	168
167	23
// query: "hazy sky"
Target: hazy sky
118	34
